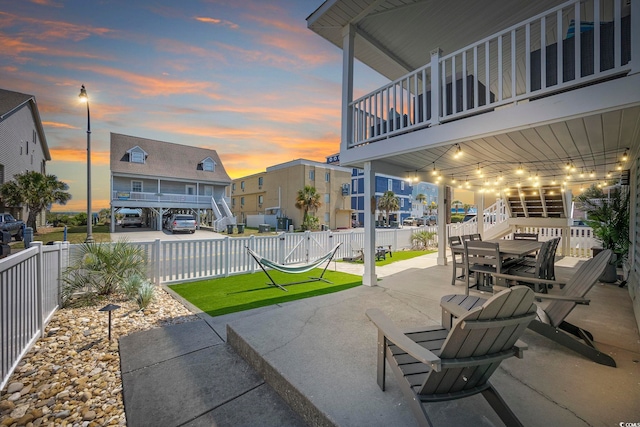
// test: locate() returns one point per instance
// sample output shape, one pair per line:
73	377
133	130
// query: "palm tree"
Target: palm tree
466	208
432	207
35	190
456	204
421	198
388	203
308	200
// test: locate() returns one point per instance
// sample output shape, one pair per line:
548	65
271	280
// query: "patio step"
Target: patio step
296	400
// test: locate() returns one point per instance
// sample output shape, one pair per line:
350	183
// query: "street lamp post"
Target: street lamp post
84	98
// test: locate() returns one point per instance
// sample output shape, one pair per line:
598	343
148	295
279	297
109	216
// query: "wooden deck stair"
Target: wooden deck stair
538	202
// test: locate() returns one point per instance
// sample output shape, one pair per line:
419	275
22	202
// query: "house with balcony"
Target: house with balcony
159	178
520	102
272	194
23	145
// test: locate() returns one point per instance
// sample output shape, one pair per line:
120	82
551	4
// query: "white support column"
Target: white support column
479	199
161	216
369	250
442	224
435	85
348	36
635	36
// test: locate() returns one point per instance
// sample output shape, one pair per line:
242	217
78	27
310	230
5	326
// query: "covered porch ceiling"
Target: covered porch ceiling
593	146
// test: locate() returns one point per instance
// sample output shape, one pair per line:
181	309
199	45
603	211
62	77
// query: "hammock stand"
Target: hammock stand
294	268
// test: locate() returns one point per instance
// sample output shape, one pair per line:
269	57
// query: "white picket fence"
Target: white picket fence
187	260
30	280
29	295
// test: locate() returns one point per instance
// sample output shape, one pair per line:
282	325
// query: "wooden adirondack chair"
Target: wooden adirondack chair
550	321
434	364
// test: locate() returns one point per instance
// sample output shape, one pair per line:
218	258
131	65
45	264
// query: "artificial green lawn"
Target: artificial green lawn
244	292
397	256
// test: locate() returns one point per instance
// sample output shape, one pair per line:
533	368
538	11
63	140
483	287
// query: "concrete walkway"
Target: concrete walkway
319	354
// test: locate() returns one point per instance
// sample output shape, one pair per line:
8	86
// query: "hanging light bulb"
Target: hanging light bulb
434	172
608	174
458	152
619	166
520	170
582	173
592	174
453	179
625	156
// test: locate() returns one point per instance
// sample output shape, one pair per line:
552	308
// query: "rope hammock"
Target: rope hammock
297	268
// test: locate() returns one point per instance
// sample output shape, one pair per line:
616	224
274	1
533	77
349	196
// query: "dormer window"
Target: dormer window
208	165
137	155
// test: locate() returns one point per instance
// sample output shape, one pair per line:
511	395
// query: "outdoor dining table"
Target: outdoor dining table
516	248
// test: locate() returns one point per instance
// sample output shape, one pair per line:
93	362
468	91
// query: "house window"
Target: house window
390	185
208	166
241	201
327	177
327	197
260	180
233	187
326	217
233	202
26	147
242	185
402	185
137	157
312	175
136	186
402	203
260	199
1	174
354	186
190	190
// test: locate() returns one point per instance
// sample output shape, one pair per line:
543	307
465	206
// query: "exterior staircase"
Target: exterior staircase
223	217
527	208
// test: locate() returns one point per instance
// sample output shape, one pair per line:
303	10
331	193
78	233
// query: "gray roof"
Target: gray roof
165	160
11	101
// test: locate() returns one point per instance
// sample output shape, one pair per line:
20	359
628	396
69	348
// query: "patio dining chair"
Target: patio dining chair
482	259
533	268
435	364
457	255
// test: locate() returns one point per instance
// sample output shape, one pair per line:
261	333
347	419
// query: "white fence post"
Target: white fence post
39	288
307	244
227	256
156	268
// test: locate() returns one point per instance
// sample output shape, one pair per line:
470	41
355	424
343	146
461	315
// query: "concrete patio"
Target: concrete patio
319	355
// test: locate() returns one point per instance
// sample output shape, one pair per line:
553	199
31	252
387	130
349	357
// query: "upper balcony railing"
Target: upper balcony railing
161	197
524	61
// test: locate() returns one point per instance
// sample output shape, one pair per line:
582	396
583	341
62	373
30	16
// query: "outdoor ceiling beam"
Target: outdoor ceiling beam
383	50
365	12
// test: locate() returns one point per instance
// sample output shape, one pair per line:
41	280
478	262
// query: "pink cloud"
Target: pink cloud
58	125
216	21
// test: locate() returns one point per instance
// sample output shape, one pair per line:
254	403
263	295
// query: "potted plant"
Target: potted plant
608	216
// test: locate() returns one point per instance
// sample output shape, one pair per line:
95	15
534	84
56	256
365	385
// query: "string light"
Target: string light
520	170
625	156
458	152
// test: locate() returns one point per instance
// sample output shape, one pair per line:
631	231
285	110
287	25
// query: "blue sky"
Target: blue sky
246	78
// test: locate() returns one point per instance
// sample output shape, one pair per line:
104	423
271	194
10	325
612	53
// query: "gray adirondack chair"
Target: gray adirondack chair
434	364
550	321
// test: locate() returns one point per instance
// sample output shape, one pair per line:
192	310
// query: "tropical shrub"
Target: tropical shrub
100	268
146	294
423	239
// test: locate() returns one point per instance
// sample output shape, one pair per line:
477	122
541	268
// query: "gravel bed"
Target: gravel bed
71	377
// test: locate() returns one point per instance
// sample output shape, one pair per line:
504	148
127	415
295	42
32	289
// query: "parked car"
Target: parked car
182	222
409	221
132	220
11	225
579	223
430	220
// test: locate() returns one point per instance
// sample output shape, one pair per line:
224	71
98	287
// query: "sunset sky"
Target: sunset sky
244	77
